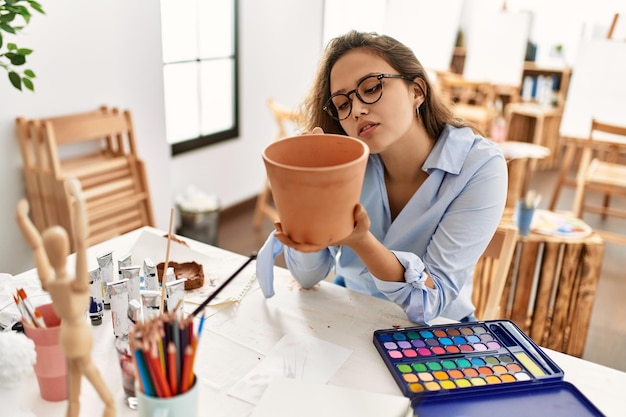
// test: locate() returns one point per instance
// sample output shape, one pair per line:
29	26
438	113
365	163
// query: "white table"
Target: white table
238	337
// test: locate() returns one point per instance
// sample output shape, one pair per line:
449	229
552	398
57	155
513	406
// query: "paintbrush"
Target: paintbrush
224	284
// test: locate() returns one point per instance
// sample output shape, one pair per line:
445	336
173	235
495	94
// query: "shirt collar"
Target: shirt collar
450	150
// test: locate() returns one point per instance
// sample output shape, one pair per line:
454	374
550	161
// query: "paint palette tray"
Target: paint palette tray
468	368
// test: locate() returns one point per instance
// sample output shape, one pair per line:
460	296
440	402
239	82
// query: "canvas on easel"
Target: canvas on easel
496	47
433	38
597	87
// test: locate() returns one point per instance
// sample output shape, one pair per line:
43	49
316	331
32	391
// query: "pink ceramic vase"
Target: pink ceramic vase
316	183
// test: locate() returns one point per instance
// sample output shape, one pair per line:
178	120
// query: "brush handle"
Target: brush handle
221	287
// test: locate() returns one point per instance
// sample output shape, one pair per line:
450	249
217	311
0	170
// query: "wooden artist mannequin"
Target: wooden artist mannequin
70	296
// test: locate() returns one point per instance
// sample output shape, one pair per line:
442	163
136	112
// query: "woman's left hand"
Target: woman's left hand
361	228
301	247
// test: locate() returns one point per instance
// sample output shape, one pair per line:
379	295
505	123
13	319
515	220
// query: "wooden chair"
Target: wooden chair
473	101
98	148
491	273
287	120
603	170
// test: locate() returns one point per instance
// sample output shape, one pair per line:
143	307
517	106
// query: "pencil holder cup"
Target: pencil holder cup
316	183
524	217
180	405
50	367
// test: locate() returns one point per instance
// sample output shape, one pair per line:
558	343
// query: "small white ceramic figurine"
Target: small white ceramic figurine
70	296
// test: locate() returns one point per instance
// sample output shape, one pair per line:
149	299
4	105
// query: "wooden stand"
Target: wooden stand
533	123
551	288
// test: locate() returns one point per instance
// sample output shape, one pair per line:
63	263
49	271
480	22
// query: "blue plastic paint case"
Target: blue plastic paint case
477	369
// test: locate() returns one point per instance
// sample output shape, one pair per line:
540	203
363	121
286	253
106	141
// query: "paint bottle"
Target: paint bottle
124	261
151	300
105	261
150	280
118	292
96	290
175	295
133	275
170	276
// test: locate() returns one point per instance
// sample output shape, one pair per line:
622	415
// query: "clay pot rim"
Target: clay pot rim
364	155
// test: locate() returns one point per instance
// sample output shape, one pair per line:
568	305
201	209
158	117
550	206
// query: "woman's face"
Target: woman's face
389	119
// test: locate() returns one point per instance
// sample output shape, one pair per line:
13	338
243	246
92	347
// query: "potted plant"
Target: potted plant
14	16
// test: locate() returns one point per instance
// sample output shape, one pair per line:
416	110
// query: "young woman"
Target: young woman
433	193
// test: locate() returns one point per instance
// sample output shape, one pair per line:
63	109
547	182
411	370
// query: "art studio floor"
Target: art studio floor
606	340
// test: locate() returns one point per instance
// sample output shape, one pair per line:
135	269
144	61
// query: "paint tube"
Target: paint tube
170	276
118	291
132	274
135	312
175	295
105	261
96	304
150	280
124	261
151	300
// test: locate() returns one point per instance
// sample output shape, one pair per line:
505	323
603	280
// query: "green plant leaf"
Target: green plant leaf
7	28
1	40
16	59
28	84
11	46
24	51
29	73
23	11
9	17
15	80
36	6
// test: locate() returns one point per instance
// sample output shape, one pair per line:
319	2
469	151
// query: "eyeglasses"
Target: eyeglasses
369	90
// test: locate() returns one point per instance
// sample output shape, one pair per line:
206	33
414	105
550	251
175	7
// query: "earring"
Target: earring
417	112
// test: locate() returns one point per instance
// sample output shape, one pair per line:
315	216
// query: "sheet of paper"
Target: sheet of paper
288	397
295	356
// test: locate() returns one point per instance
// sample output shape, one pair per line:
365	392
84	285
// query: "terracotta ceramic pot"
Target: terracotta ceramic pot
316	182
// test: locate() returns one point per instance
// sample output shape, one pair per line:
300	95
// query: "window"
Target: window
199	72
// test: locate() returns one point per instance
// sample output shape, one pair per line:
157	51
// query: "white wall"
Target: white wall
91	53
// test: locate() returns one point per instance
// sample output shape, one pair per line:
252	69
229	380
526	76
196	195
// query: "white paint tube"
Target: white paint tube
132	274
118	291
150	280
105	261
96	290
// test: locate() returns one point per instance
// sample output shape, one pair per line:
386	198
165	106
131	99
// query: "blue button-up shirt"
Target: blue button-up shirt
443	229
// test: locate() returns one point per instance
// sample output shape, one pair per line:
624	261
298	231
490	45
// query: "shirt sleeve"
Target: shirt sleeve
309	268
460	238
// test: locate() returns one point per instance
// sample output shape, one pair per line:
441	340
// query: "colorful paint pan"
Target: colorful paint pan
444	359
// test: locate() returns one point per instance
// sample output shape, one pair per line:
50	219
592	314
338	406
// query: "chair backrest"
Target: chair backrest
474	101
98	149
608	131
287	120
491	272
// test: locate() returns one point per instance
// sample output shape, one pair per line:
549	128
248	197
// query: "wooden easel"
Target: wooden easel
572	145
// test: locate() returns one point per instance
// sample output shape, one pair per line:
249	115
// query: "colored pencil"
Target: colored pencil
172	371
187	370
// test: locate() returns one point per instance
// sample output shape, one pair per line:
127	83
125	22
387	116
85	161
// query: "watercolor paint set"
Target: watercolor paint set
478	368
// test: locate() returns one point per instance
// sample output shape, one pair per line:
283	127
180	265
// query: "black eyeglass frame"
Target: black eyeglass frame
330	108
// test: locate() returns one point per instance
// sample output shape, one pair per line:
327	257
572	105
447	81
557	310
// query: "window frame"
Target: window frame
203	141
